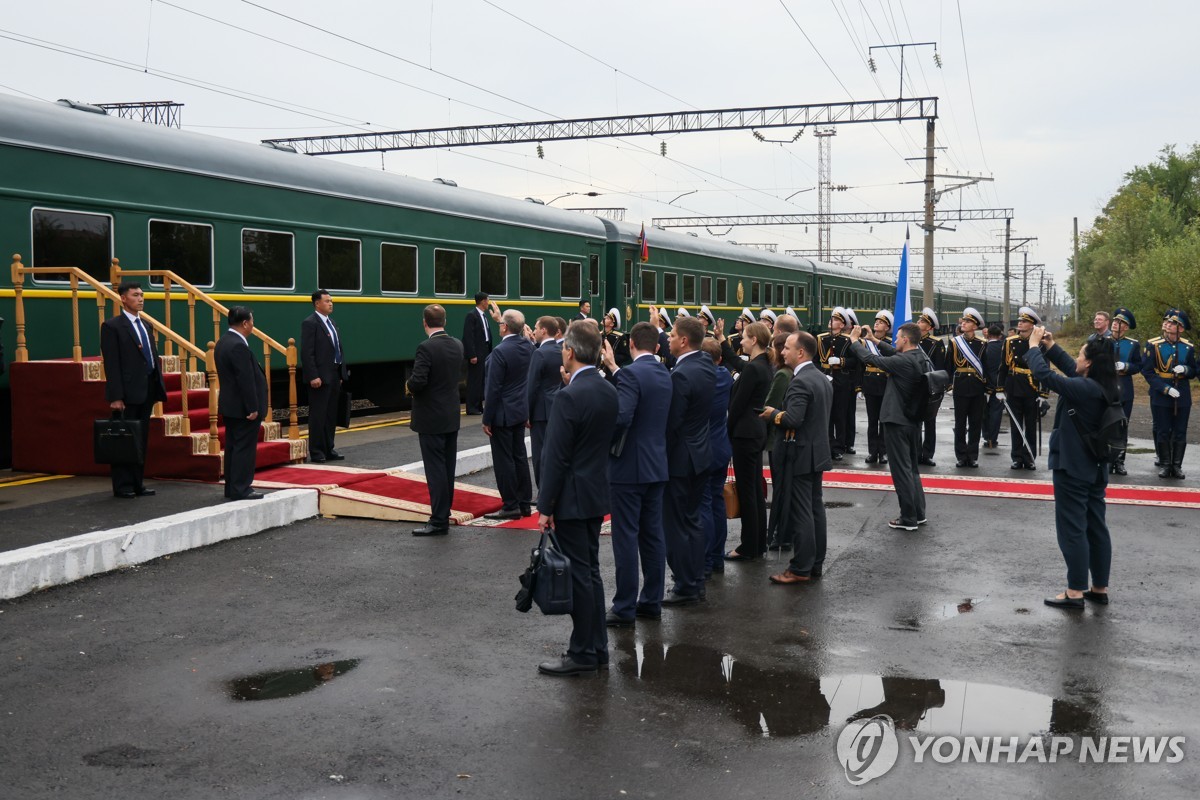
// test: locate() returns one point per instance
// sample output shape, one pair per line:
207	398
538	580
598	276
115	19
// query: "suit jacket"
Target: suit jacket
544	381
575	453
474	344
243	384
433	384
317	352
718	420
504	400
664	349
688	450
125	369
993	357
750	392
644	401
1081	394
806	410
906	371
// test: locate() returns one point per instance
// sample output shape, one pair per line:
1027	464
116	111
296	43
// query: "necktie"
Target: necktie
337	346
487	329
147	353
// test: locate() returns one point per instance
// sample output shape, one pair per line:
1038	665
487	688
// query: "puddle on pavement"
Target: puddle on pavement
774	702
288	683
909	620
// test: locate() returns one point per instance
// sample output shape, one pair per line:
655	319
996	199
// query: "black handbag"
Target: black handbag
547	579
343	409
117	440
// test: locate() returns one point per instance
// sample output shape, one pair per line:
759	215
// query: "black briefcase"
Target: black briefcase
343	409
547	579
117	441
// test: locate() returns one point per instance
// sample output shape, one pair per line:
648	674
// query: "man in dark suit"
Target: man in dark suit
802	454
993	357
477	345
324	369
637	476
575	496
133	380
585	310
906	365
242	402
433	385
505	412
713	514
935	348
545	379
689	458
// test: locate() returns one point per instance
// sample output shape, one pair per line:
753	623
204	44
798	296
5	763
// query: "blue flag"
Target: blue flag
903	309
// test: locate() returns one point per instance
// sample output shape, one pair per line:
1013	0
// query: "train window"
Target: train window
532	278
70	239
493	275
185	249
722	292
268	260
398	268
649	286
339	264
689	289
449	272
570	281
766	298
628	278
705	289
594	274
670	291
779	294
755	295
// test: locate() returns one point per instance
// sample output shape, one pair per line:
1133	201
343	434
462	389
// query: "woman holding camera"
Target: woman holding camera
1080	479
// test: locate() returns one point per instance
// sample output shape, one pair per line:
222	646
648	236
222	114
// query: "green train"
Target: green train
260	226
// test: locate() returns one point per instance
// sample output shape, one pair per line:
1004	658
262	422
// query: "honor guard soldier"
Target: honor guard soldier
835	360
873	384
619	342
1127	352
731	346
936	350
744	319
769	317
1169	364
852	422
1020	392
662	320
708	320
965	357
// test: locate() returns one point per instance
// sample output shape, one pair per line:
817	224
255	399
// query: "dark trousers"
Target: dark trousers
637	535
1026	411
322	419
714	518
752	506
852	422
439	454
991	425
579	540
684	533
904	448
875	443
806	519
1170	422
475	386
840	414
128	477
537	435
1082	531
241	450
511	464
929	424
968	425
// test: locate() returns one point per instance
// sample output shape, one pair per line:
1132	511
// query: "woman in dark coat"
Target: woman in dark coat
1080	480
748	434
775	397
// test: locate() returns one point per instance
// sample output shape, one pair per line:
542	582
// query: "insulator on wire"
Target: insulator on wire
937	60
541	153
662	149
871	64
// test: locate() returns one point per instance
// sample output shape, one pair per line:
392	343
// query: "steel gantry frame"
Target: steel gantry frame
845	218
824	188
155	112
870	252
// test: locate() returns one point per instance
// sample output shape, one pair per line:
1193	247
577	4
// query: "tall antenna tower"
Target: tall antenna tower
824	190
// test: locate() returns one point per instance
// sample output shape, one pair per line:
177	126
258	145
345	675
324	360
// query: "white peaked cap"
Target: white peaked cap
851	317
791	312
616	315
748	314
1027	312
767	313
708	315
683	312
886	316
838	311
930	316
664	315
974	314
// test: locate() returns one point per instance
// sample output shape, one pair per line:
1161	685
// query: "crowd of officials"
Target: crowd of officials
644	425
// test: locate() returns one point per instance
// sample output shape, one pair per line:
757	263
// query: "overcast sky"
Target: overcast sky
1055	101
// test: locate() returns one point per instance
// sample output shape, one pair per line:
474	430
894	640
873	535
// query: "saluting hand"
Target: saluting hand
610	360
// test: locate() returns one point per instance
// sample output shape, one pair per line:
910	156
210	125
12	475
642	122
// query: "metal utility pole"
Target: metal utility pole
1075	272
1007	250
1025	281
927	286
824	189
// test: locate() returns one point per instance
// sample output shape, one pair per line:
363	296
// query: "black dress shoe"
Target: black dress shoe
429	530
252	496
124	495
851	451
503	515
143	492
872	459
1100	598
643	612
1029	465
613	621
883	460
837	456
673	599
961	464
565	666
334	455
1017	465
316	459
972	463
526	511
926	462
1064	602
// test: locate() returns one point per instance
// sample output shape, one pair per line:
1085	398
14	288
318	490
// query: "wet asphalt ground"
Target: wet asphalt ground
126	685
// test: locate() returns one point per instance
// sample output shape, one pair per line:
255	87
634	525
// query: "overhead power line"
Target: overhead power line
859	217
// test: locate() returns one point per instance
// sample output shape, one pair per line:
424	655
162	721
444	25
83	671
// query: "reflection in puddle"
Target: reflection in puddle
782	702
288	683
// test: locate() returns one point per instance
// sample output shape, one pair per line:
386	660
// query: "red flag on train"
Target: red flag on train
643	246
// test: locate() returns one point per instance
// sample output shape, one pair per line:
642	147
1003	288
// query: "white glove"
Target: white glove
1121	365
1179	368
1173	393
1000	396
858	395
830	379
834	361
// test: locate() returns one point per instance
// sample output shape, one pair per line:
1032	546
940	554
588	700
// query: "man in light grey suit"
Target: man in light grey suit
802	455
906	365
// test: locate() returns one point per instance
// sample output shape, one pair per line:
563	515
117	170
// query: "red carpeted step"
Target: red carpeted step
197	399
398	488
271	454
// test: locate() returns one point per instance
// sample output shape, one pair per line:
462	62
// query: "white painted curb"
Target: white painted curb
477	459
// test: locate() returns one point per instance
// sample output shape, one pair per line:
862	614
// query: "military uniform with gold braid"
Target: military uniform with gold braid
617	340
1021	391
965	356
1127	353
731	352
936	350
1169	364
872	383
835	359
